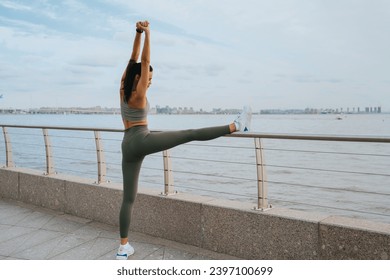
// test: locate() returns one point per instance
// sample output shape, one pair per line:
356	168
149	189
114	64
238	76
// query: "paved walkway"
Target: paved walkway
35	233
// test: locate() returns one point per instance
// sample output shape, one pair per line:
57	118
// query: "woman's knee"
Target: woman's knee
191	134
129	200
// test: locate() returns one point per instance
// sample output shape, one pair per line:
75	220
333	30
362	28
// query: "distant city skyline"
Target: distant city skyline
190	110
269	54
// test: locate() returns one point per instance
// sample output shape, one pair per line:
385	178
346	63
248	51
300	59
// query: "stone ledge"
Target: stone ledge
347	238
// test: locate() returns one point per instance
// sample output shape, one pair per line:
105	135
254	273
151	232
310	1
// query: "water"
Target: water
297	171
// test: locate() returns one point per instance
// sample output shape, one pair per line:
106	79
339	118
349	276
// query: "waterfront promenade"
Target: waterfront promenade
243	229
29	232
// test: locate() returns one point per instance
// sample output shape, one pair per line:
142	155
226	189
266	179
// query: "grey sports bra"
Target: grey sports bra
134	114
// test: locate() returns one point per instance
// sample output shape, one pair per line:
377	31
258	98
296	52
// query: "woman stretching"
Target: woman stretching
138	141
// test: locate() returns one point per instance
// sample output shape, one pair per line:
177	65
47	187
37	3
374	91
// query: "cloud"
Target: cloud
314	80
261	51
15	6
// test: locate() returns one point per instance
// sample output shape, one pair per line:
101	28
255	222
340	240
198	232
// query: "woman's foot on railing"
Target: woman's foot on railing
243	120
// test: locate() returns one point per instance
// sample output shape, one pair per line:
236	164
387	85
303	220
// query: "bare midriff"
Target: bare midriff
129	124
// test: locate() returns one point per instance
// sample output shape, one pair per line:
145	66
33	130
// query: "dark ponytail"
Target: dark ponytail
132	70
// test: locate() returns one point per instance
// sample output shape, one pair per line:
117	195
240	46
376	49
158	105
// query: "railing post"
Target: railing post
49	154
262	186
168	174
8	148
101	163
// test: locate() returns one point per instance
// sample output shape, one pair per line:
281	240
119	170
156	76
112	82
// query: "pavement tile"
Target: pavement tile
15	205
5	227
68	243
109	255
34	233
156	255
10	232
61	224
75	219
25	241
50	248
13	216
106	231
35	220
87	231
143	250
96	230
90	250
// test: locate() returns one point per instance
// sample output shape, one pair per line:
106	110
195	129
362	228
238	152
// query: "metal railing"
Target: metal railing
258	148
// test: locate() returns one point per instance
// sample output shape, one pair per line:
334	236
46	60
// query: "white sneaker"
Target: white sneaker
124	252
243	121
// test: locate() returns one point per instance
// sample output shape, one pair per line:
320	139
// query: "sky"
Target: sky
205	54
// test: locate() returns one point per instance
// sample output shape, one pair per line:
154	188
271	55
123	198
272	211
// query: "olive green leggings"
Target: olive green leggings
138	142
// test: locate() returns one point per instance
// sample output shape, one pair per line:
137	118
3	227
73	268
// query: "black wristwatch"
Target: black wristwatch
139	30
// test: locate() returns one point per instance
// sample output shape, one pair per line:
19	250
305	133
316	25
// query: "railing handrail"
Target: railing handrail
316	137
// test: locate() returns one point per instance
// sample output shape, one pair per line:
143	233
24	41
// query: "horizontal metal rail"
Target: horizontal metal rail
309	137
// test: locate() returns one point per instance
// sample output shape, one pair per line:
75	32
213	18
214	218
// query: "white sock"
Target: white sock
121	247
